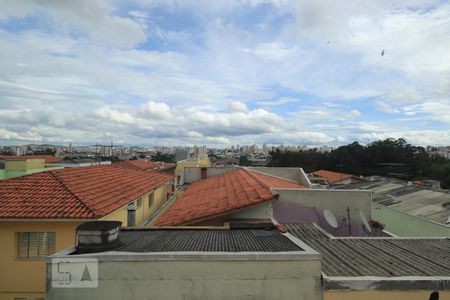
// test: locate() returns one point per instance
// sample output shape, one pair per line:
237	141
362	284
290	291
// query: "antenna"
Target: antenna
365	222
330	218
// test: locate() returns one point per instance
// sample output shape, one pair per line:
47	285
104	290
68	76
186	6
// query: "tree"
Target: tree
243	160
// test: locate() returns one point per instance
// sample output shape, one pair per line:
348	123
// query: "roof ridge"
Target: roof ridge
61	182
259	180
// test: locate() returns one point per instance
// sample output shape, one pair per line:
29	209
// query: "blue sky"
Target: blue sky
224	72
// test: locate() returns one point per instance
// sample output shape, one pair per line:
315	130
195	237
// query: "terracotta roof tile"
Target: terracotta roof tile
331	176
48	158
86	192
274	182
215	196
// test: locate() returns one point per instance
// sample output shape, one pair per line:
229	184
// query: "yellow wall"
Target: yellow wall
200	163
26	277
144	211
384	295
20	165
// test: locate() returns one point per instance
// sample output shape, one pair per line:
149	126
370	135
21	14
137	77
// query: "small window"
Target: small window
35	244
150	199
139	202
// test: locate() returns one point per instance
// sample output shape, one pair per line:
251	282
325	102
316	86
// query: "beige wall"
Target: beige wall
201	279
25	278
384	295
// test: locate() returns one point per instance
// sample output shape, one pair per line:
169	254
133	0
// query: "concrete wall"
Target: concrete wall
402	224
193	174
385	295
291	174
306	206
26	277
207	279
262	211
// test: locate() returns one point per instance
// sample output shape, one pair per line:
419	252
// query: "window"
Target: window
139	202
150	200
35	244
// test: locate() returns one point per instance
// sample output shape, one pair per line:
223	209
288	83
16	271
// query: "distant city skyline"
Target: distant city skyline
222	72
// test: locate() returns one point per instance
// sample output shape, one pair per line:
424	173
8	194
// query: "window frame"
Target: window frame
50	245
151	199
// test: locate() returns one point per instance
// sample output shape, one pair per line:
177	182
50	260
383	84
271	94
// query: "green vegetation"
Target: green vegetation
165	157
390	157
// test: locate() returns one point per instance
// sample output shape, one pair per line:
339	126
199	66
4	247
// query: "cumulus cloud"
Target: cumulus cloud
155	110
114	115
236	106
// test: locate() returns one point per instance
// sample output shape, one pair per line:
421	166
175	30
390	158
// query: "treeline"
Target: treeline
390	157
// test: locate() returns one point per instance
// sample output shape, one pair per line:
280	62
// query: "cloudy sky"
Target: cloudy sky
224	72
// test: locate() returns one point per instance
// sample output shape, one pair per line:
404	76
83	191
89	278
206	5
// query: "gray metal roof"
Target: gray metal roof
381	257
414	200
203	240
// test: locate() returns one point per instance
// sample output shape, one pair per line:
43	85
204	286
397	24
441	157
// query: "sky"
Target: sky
224	72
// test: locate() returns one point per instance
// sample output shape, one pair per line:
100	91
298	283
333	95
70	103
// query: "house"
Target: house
196	162
329	177
379	268
212	201
184	263
39	213
14	166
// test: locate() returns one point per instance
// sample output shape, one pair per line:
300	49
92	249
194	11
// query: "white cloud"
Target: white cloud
114	115
155	110
236	106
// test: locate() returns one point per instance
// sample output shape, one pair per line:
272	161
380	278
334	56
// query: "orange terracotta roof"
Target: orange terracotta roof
331	176
274	182
216	196
140	164
48	158
86	192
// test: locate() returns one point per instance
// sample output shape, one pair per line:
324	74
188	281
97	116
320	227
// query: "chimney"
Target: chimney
131	216
97	236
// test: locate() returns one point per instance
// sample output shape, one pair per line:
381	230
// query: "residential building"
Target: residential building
188	264
379	268
329	177
14	166
39	213
191	162
228	193
406	208
181	154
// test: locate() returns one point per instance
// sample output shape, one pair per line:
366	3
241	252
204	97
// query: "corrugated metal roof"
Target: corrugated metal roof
383	257
204	240
415	200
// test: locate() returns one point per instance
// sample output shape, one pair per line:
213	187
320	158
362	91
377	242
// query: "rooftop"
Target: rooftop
376	257
332	177
203	240
48	158
414	200
85	192
140	164
217	195
275	182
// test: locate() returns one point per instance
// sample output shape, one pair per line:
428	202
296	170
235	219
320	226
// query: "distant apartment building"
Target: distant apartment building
200	151
181	154
39	213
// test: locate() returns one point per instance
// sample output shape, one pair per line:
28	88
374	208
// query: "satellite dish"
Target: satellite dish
365	222
331	219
